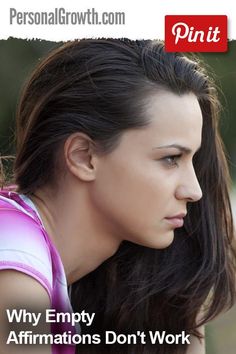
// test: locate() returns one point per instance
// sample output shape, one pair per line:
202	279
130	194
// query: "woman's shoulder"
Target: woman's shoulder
23	245
20	229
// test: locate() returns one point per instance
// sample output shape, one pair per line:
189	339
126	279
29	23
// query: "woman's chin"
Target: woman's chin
158	241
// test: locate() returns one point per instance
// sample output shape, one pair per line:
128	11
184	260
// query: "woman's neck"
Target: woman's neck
79	232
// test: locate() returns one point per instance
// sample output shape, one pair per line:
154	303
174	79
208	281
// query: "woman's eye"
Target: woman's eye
172	160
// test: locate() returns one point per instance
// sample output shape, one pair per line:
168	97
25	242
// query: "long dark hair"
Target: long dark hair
99	87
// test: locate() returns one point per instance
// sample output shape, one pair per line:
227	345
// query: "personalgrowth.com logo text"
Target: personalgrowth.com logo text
60	16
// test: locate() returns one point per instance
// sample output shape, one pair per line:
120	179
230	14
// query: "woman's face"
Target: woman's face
149	178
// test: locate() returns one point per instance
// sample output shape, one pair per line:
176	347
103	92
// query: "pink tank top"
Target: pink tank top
26	247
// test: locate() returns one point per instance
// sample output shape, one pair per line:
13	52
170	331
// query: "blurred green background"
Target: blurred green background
19	57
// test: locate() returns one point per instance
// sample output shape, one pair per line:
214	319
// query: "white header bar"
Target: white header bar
60	20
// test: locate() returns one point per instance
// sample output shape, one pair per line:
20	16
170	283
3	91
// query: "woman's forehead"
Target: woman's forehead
173	119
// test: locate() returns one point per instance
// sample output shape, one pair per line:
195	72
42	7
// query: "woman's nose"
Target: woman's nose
189	188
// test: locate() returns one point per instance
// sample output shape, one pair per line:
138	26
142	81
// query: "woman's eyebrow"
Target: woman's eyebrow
183	149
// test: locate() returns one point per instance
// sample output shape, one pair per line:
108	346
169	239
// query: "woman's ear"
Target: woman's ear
80	157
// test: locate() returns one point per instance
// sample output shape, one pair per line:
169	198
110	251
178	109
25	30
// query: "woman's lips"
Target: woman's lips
176	222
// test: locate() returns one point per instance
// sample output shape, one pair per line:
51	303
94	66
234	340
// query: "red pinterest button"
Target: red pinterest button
196	33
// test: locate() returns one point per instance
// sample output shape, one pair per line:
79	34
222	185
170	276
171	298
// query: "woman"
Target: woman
121	177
